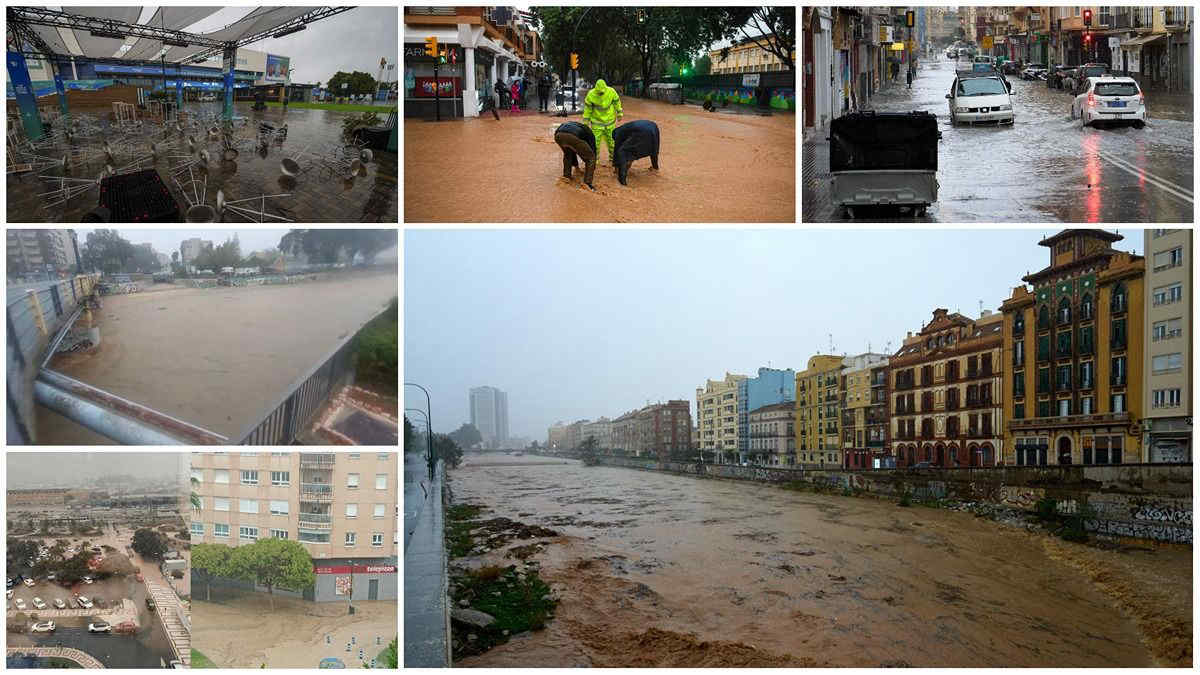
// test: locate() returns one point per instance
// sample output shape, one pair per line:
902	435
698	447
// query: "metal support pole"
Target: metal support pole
229	58
437	90
429	436
18	74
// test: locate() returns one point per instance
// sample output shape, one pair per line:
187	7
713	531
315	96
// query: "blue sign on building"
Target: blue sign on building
772	385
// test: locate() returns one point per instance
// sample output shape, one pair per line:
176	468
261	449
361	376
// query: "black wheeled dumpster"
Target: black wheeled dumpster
884	159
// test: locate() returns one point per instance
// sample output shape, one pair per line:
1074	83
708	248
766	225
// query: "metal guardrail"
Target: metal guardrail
284	420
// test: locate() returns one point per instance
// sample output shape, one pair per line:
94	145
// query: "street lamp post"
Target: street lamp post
429	425
428	429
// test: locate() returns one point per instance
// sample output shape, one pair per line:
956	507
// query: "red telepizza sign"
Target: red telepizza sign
450	87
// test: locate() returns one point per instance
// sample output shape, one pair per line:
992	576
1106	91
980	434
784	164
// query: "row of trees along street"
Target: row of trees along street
617	43
274	563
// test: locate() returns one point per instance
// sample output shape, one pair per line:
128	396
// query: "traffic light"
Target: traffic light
431	49
1087	17
442	56
910	18
574	61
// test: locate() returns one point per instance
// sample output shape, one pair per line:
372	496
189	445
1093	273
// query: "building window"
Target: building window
281	478
354	455
221	476
1168	259
1043	320
279	507
1086	339
248	506
1165	295
1086	405
1019	411
1043	408
1166	398
220	503
198	475
1118	303
1167	363
250	477
249	454
1166	330
1118	340
197	529
352	481
221	530
351	539
352	510
379	511
1064	311
1064	343
1019	323
1117	377
248	533
1064	407
381	481
1043	380
1043	348
313	537
1086	308
1064	378
1118	403
279	534
377	539
382	456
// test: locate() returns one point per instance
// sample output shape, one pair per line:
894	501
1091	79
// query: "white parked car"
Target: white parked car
99	627
47	627
39	603
84	602
980	98
1110	99
30	583
9	594
20	604
88	580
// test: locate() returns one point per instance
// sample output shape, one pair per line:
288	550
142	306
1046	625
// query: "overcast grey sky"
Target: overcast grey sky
583	323
167	240
353	40
64	469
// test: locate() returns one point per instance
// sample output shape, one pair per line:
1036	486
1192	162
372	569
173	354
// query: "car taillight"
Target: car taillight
1141	98
1091	100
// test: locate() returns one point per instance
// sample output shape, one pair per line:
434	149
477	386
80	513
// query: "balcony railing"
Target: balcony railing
317	491
310	460
1069	420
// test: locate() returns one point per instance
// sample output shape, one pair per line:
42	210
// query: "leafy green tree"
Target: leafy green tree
755	23
448	450
589	451
324	246
208	562
108	252
409	433
703	65
466	436
274	563
149	543
360	83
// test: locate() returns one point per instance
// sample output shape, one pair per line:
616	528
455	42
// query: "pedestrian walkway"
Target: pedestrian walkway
426	614
81	657
174	620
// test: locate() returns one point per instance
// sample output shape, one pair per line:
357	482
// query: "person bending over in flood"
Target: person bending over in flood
577	141
635	140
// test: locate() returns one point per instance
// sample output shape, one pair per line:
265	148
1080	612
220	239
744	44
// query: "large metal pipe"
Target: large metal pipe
121	420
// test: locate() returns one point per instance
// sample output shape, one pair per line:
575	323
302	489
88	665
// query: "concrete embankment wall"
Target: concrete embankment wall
426	612
1141	501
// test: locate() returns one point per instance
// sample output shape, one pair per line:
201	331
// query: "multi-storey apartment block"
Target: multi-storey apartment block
771	385
716	415
864	410
818	439
1075	353
1167	334
341	506
772	434
662	430
946	385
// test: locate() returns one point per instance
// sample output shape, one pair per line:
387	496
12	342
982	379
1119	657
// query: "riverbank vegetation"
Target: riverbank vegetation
377	351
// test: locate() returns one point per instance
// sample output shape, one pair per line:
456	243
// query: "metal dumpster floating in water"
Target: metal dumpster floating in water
884	159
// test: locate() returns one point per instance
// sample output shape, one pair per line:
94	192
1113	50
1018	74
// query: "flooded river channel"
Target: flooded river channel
658	570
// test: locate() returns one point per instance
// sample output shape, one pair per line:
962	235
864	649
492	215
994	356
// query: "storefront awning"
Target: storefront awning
1144	40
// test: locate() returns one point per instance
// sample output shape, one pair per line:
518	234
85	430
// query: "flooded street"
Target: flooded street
1045	166
658	569
217	357
717	166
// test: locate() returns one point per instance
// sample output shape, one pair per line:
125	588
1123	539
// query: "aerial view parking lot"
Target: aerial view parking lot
96	563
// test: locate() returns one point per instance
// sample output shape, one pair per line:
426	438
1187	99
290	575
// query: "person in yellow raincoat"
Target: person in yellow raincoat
601	112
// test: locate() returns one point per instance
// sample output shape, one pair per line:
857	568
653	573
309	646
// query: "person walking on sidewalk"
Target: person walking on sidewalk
515	92
910	76
543	89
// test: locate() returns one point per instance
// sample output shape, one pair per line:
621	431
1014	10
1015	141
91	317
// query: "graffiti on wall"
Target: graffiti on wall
1020	496
1163	514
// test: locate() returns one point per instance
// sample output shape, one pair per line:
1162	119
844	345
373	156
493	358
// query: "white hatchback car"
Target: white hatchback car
980	98
1110	99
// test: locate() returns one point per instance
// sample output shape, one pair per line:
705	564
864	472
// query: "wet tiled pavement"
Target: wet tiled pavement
317	195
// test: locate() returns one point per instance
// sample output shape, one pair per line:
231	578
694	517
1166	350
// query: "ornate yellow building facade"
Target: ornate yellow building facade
818	412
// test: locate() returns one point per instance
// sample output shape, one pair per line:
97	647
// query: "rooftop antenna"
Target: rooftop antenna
831	343
980	308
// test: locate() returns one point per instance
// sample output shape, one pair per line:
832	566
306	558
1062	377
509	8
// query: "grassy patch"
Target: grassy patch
460	520
345	107
201	661
377	349
518	604
389	658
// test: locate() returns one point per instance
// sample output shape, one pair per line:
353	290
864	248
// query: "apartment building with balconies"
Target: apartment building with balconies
818	416
1074	355
342	507
1167	334
717	416
864	410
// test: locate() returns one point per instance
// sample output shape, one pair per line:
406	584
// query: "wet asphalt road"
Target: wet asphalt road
1046	166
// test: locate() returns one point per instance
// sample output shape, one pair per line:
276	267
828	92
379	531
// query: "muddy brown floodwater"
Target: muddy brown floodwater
657	569
216	357
720	166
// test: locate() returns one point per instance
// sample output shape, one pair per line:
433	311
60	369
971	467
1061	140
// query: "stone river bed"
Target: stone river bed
661	570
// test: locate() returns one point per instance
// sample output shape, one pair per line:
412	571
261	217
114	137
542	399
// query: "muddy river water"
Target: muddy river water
653	569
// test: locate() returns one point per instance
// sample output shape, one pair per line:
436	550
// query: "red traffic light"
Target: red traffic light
1087	16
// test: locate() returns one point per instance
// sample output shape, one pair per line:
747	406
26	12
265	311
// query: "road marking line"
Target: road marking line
1160	179
1165	185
